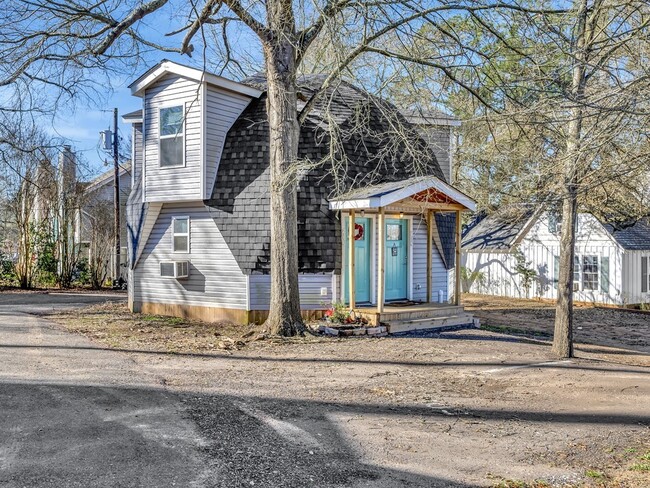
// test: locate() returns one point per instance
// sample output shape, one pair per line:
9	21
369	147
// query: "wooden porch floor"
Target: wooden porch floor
407	313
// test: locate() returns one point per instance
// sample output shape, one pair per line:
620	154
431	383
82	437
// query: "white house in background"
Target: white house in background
611	264
97	203
199	211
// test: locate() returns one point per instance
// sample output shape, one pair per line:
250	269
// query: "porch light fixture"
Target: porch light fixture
363	213
401	215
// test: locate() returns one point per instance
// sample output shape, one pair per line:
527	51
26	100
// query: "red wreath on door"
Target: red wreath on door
358	232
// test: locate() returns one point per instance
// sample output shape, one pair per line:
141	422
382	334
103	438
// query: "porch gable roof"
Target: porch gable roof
425	190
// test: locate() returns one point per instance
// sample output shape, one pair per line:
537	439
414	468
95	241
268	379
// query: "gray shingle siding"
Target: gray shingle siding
446	223
240	199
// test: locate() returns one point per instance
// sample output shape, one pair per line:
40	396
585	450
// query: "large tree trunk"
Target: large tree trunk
284	315
563	333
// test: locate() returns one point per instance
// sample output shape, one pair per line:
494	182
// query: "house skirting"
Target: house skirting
212	314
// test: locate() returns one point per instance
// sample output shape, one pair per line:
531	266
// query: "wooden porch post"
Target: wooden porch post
457	272
429	250
351	256
381	229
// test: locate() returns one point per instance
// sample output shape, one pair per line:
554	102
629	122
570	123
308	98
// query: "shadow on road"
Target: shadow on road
59	435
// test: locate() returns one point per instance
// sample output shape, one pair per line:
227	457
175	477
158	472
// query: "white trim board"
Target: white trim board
166	67
394	196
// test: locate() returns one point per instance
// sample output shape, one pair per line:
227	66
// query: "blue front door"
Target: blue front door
362	241
396	265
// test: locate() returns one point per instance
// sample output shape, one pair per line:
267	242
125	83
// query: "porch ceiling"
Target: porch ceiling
413	194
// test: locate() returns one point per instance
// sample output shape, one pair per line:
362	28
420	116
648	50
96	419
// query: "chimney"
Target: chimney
67	171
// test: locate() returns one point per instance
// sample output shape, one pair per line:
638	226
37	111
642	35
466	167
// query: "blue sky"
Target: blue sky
79	125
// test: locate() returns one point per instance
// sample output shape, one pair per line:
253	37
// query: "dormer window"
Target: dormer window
172	147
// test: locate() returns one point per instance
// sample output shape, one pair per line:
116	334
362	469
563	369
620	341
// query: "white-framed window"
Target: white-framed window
181	234
590	273
171	143
167	269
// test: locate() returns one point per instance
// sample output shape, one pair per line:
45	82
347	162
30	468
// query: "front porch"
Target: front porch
378	228
417	316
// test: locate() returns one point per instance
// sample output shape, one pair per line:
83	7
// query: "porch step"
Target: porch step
420	313
431	323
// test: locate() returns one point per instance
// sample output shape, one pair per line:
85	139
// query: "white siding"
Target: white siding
438	270
222	109
136	157
540	247
632	277
310	291
173	183
215	277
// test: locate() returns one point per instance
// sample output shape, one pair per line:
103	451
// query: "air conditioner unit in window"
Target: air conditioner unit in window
175	269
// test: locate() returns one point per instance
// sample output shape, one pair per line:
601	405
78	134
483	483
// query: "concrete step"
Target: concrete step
432	323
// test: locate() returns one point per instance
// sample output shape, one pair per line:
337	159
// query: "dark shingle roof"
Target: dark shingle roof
446	223
635	237
497	231
240	199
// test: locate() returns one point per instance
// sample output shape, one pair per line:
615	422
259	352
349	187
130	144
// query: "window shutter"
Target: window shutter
644	274
552	222
604	274
556	270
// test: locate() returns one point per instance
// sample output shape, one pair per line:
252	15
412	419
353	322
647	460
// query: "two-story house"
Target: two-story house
198	214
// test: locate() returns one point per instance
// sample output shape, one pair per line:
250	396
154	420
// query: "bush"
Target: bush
82	273
7	271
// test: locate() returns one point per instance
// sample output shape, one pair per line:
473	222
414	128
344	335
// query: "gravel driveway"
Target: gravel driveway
461	409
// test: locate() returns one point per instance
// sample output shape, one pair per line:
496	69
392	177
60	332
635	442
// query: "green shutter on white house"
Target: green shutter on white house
644	274
604	274
556	271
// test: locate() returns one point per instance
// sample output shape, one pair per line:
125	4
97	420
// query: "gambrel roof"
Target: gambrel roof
240	201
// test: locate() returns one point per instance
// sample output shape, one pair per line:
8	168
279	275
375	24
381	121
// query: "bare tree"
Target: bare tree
70	38
560	118
30	189
97	227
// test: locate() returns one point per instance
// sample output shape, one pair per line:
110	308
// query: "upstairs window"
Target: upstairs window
171	145
181	234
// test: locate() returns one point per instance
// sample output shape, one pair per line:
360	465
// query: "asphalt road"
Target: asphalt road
73	414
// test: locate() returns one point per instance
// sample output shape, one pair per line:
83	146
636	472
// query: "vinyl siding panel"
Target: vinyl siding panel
136	164
215	277
438	270
439	138
221	110
632	277
310	288
173	183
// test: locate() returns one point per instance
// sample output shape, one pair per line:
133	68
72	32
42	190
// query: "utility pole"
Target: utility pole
116	197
